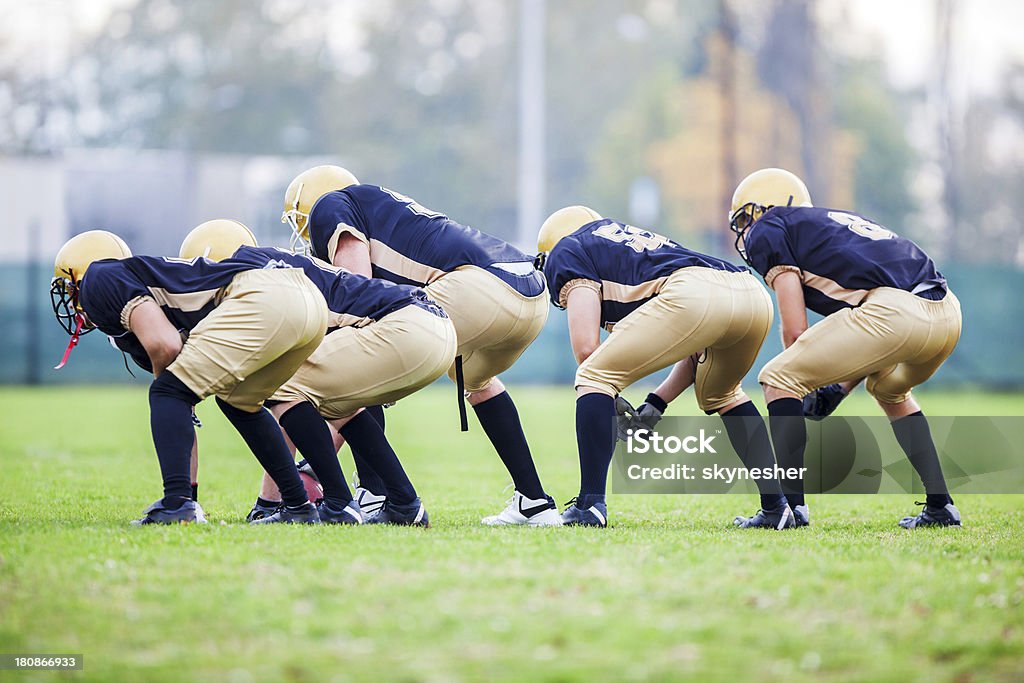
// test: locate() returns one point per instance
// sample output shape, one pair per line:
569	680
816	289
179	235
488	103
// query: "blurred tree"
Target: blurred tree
229	76
991	175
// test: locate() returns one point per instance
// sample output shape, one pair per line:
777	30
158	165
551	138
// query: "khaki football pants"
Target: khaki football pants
494	323
723	315
379	363
894	338
267	324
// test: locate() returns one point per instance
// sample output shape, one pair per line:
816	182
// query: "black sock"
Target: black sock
500	420
170	420
368	477
260	432
915	439
364	433
789	436
749	438
263	502
195	492
595	438
311	435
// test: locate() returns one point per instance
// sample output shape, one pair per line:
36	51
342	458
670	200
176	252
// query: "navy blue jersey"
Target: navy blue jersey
839	256
352	299
410	244
629	265
187	290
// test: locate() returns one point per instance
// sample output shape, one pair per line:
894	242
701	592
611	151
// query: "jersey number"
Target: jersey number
636	239
413	205
860	226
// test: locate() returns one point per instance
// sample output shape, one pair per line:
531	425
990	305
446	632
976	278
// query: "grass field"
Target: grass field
671	592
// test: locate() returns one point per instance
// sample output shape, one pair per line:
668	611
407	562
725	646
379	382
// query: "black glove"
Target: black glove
822	402
645	417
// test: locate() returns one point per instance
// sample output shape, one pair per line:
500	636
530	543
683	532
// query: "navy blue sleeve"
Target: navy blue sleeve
568	262
107	288
768	246
331	210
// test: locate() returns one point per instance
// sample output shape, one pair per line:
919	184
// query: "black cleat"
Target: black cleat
587	510
260	511
413	514
777	518
190	511
307	514
933	516
350	514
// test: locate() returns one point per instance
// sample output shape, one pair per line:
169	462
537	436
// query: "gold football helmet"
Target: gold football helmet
304	190
760	191
73	260
561	223
216	240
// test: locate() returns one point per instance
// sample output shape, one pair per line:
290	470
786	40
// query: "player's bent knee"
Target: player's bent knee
712	404
170	386
774	377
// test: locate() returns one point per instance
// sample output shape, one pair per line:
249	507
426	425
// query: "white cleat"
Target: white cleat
523	511
369	503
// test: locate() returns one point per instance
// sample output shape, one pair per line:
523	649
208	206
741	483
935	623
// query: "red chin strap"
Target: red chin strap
79	320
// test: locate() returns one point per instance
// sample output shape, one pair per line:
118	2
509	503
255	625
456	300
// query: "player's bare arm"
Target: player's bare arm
352	254
157	335
679	380
792	308
584	308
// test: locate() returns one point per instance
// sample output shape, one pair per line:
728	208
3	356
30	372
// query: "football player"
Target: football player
489	289
386	341
236	331
890	317
664	305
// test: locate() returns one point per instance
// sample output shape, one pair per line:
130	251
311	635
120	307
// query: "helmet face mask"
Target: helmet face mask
740	221
66	307
296	220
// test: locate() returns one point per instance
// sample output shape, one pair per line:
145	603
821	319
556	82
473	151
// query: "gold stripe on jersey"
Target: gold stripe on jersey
185	301
615	291
385	257
833	289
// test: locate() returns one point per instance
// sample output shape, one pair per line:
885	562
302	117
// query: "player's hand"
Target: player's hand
649	413
645	417
624	414
822	402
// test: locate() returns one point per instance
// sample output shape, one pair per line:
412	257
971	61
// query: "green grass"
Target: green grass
671	592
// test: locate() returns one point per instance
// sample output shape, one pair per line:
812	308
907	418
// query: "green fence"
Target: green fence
990	353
